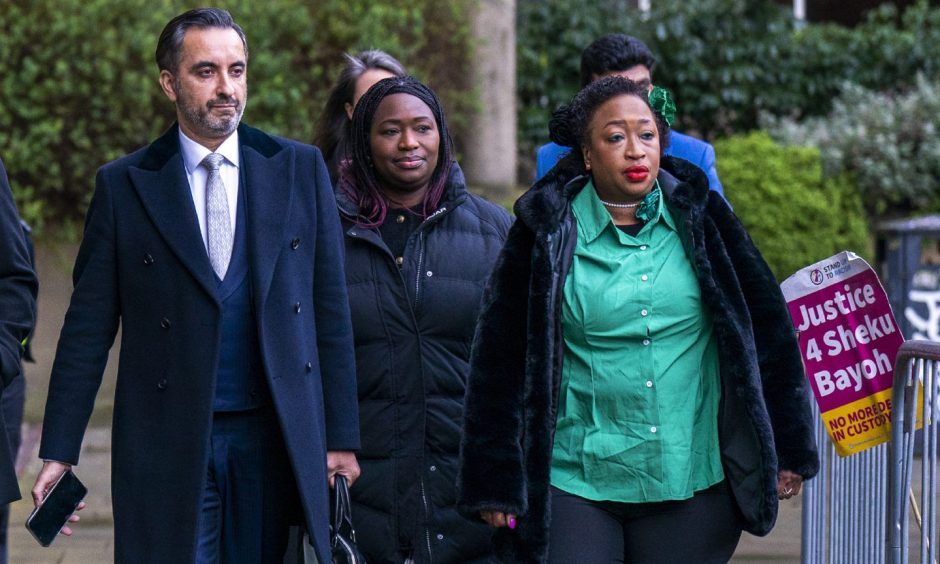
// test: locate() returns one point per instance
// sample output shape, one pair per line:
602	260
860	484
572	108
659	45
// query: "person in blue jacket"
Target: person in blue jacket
626	56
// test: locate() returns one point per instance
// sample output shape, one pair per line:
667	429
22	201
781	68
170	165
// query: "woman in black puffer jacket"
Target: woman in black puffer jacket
419	248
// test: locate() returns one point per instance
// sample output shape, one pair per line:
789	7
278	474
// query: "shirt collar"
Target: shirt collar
193	152
593	217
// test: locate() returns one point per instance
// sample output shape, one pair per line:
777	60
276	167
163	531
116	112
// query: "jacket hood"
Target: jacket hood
543	206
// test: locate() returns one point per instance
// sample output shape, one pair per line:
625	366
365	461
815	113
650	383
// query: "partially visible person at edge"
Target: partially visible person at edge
626	56
635	376
419	248
359	74
12	403
18	287
217	251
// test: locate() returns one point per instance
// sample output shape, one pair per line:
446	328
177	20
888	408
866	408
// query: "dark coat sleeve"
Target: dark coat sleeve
333	322
491	466
783	380
18	285
88	332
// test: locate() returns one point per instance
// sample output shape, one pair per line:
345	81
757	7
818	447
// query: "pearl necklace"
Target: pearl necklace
616	205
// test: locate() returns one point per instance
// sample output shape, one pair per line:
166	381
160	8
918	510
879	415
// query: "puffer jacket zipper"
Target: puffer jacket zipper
427	517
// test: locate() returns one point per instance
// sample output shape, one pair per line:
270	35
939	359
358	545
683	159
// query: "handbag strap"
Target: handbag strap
342	509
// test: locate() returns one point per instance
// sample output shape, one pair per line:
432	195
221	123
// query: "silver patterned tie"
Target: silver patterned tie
218	224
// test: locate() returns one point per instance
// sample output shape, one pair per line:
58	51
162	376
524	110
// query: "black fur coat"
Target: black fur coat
765	421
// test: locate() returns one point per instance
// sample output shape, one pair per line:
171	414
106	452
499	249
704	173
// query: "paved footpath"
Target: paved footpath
93	542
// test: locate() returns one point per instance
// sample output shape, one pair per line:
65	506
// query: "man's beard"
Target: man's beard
202	118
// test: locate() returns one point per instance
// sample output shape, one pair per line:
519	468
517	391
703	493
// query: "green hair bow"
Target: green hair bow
661	102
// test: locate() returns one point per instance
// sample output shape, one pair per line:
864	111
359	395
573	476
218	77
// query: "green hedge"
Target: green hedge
887	142
795	215
78	84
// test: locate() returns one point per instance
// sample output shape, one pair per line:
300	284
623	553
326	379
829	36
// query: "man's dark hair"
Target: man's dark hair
171	39
614	52
357	175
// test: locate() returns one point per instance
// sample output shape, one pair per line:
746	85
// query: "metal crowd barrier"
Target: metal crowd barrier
916	371
843	507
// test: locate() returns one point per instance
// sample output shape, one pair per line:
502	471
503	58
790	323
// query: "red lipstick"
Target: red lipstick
636	173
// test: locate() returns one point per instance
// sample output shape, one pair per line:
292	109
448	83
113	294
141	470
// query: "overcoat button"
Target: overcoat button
162	384
295	243
148	259
165	323
309	367
297	307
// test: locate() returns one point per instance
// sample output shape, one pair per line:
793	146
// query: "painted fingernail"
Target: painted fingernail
512	522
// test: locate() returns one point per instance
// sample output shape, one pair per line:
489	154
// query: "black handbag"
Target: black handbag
342	533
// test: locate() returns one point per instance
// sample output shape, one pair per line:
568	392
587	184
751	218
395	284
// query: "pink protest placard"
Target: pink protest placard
849	340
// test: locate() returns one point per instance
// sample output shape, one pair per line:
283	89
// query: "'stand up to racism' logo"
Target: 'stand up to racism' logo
816	276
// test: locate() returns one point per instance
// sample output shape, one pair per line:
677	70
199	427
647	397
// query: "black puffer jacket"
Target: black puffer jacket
413	327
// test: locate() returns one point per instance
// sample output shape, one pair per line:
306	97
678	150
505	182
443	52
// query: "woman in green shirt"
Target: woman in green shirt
636	392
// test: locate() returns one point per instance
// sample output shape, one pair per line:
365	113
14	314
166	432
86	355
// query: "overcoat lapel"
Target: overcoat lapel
268	186
161	183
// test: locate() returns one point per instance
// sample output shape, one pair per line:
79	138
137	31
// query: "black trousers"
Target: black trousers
250	497
703	529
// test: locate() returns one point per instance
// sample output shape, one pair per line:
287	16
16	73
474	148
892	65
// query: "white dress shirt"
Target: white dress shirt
193	153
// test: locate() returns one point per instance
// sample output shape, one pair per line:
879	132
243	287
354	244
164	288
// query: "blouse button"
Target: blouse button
644	278
148	259
646	342
649	383
644	313
294	244
652	429
297	307
642	247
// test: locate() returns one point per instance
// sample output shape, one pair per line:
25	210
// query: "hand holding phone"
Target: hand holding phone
56	508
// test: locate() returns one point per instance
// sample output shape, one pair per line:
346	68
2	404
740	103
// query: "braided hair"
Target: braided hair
570	125
358	179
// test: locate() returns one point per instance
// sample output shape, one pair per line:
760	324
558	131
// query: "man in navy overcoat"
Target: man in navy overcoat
235	402
17	312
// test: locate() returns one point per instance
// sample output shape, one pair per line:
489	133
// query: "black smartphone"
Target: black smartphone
45	522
